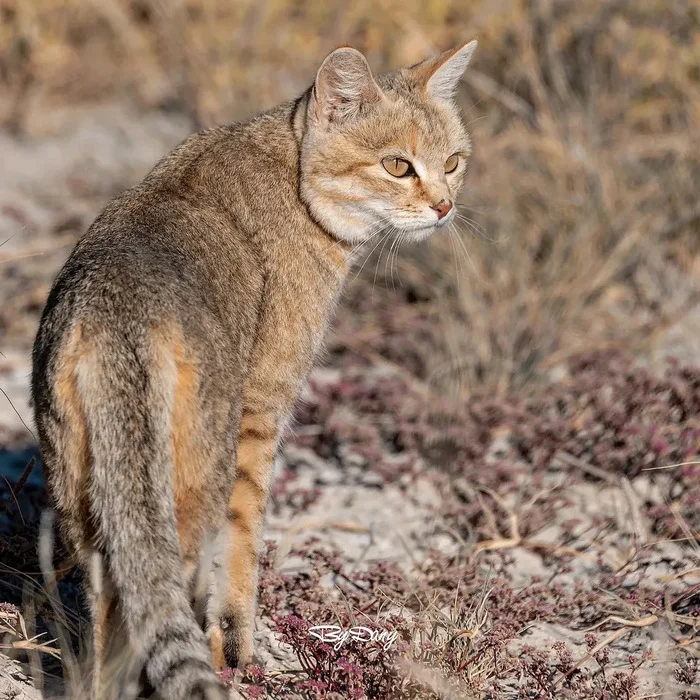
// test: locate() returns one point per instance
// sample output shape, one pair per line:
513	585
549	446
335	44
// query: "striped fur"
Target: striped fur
177	335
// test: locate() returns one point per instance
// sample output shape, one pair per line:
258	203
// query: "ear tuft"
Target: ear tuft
344	85
441	75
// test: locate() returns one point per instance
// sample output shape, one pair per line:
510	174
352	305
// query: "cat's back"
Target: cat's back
166	256
169	245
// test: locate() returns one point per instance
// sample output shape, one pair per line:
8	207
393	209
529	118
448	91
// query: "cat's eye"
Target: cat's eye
398	167
451	163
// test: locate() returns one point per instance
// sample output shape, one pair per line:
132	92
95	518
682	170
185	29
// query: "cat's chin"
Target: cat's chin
419	232
415	234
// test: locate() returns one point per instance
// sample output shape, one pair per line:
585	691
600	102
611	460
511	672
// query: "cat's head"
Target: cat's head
384	153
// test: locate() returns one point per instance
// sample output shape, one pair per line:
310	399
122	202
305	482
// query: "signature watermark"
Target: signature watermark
337	636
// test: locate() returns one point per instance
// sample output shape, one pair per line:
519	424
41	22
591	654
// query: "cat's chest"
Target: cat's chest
292	322
296	306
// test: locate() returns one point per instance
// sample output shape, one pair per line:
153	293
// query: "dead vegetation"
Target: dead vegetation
581	219
498	368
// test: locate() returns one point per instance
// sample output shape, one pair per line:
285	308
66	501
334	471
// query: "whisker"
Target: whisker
394	258
474	106
473	206
368	257
354	249
376	267
460	255
458	271
388	259
374	231
401	239
469	257
476	119
475	226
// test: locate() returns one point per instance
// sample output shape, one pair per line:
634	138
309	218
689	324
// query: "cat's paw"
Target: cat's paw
231	643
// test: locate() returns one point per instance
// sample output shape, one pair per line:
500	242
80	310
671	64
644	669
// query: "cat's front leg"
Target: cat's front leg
231	630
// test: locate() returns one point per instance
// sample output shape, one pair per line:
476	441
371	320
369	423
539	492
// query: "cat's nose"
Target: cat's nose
442	208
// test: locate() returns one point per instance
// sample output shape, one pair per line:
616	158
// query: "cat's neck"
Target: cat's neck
277	217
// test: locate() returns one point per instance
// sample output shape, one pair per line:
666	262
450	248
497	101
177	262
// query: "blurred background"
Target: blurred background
579	230
580	219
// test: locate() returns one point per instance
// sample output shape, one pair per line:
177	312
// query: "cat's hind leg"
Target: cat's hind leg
231	632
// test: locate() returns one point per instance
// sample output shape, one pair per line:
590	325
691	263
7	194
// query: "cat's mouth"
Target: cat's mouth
422	229
441	223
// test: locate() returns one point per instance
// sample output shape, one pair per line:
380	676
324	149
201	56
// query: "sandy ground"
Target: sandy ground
51	188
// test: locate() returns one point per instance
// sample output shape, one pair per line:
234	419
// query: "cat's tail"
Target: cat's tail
126	388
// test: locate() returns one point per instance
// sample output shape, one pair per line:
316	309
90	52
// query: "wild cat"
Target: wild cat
178	333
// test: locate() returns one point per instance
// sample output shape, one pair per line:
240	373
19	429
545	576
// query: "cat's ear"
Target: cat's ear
441	75
343	86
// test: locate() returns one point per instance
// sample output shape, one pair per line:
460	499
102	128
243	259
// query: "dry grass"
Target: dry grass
579	232
581	213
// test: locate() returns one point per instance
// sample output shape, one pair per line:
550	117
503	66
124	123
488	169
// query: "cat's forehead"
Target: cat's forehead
415	127
412	122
